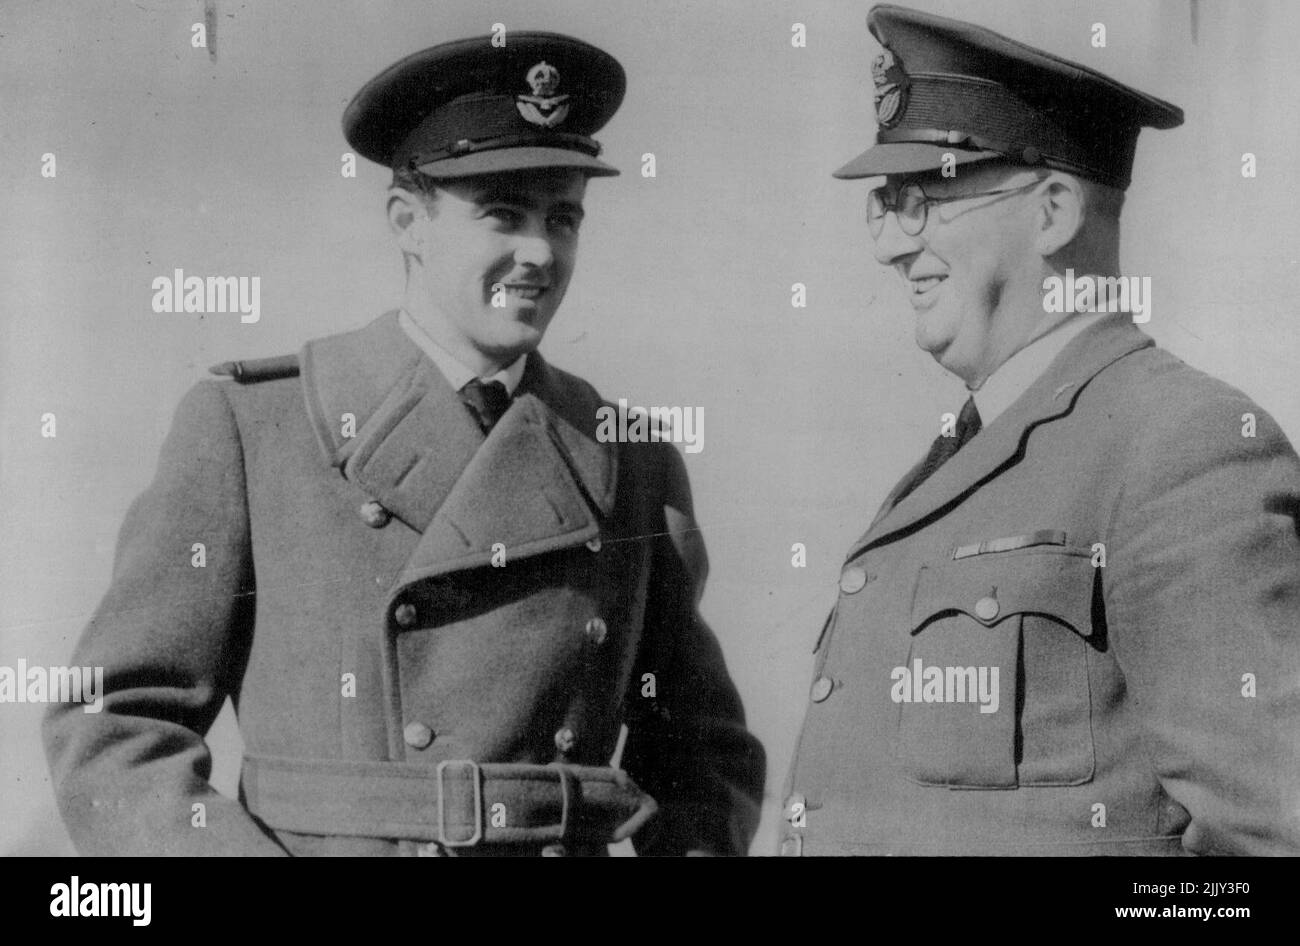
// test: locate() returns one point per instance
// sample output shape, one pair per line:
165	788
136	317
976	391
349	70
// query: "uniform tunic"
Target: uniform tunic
1120	544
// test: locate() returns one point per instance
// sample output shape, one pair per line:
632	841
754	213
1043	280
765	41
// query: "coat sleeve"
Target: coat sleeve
687	743
1203	593
172	640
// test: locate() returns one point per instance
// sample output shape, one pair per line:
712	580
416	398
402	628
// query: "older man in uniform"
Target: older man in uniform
433	594
1074	626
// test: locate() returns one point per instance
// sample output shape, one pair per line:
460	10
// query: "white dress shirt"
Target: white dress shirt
1015	375
452	369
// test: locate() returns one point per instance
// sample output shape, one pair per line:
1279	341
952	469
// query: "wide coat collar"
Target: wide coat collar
999	445
539	481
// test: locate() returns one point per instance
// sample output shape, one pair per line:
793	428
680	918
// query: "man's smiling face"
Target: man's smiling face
972	259
516	231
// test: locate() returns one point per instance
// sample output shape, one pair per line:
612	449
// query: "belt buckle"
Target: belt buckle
477	778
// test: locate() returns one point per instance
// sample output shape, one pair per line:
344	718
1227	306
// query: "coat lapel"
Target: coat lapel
1000	444
413	437
539	481
888	504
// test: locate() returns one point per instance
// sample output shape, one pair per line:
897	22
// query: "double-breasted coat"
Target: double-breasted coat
1121	546
383	590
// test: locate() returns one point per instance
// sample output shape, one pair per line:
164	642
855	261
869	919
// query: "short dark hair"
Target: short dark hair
410	179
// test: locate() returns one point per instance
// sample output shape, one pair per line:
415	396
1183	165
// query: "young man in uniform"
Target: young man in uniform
433	594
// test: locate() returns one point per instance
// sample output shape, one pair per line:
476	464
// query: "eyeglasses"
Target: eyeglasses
911	206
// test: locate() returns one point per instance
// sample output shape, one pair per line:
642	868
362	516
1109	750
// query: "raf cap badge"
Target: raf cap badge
891	89
543	107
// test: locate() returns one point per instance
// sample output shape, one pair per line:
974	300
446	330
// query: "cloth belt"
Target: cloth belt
452	803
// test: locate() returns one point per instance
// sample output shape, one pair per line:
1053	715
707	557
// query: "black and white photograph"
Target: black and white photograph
775	429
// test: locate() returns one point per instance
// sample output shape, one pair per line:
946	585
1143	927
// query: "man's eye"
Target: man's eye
507	215
569	222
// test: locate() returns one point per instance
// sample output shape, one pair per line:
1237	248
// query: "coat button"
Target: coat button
596	631
852	580
565	740
821	689
792	846
553	850
429	849
417	735
986	608
404	614
594	544
374	514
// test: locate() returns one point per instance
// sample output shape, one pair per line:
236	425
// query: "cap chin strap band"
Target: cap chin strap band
458	149
1025	154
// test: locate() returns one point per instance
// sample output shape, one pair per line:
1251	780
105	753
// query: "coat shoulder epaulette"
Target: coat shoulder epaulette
259	369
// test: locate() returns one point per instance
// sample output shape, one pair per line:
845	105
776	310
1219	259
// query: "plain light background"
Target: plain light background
169	157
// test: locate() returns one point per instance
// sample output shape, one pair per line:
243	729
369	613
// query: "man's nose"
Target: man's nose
533	246
534	251
893	243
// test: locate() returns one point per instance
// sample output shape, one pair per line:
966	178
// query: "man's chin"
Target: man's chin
929	340
506	351
940	349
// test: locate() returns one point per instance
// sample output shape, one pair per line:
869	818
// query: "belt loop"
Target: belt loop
570	791
476	778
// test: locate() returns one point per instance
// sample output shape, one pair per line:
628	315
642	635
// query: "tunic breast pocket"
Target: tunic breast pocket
995	693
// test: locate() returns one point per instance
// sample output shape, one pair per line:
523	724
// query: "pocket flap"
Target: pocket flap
989	588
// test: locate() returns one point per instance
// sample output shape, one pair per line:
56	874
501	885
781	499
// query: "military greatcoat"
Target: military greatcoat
383	590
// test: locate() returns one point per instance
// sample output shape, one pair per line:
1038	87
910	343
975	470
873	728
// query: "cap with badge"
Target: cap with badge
471	107
947	87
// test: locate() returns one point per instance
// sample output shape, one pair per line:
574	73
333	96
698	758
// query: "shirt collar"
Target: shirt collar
1015	375
457	374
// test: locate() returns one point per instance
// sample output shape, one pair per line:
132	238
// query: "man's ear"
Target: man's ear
1060	213
406	215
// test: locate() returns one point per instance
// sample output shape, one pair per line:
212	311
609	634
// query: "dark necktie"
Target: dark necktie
486	402
943	448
